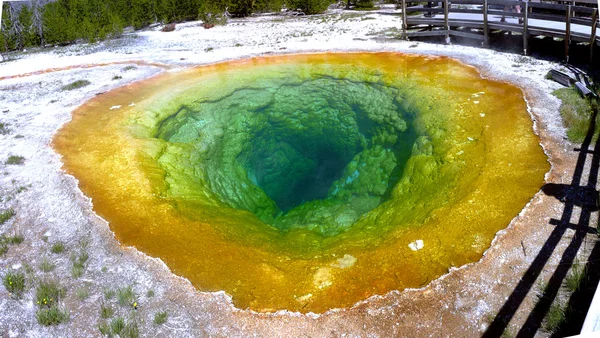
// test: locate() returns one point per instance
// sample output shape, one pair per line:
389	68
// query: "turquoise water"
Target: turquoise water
317	153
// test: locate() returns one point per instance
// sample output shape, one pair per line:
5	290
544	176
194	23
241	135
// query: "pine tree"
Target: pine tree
15	29
25	18
168	10
178	10
310	6
37	20
363	4
268	5
241	7
143	13
4	29
56	23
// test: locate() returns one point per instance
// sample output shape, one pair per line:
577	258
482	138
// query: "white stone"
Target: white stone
344	262
416	245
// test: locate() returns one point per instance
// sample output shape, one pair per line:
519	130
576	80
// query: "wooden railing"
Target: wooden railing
477	18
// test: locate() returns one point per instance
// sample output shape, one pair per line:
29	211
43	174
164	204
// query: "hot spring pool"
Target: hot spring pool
308	182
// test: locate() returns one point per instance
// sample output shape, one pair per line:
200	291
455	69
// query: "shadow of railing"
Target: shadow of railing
571	195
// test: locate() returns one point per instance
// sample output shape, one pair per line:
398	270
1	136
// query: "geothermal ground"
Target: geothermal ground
50	208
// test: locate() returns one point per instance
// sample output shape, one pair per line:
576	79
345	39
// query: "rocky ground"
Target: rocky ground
49	207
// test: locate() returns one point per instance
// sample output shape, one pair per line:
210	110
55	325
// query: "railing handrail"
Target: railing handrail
548	16
567	14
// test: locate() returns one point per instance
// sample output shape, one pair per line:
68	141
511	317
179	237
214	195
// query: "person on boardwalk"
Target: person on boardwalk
515	8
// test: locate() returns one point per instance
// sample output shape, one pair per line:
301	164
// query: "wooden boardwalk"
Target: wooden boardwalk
477	19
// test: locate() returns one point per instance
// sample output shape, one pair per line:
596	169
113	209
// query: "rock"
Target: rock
416	245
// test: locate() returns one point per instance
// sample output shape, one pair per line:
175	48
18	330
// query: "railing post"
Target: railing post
567	33
525	27
486	29
404	24
446	25
593	35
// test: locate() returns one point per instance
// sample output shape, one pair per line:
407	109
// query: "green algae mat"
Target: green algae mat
308	182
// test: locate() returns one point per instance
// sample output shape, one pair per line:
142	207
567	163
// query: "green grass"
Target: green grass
576	112
79	263
131	330
150	294
76	84
77	271
52	316
555	317
83	293
109	293
160	317
47	297
545	288
4	129
57	248
104	328
126	296
14	282
46	265
15	160
117	77
48	293
576	278
507	333
106	311
6	215
16	239
129	68
84	243
5	241
28	268
117	325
